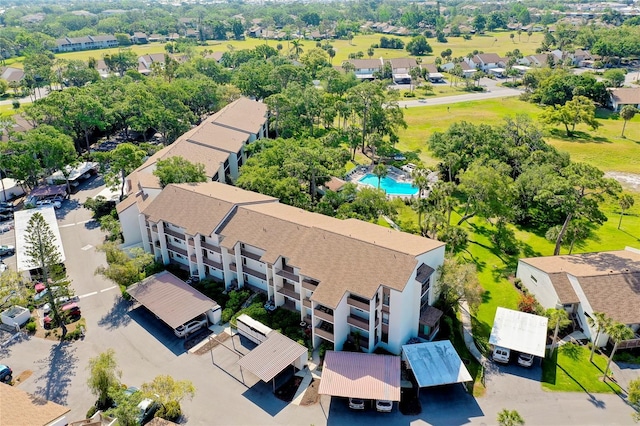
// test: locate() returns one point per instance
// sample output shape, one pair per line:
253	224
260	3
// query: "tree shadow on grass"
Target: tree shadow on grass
577	136
60	367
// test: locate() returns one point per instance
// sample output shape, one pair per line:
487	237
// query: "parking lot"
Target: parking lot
146	348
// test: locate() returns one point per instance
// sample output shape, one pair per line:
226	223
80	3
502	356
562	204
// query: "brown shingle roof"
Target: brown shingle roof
335	184
195	207
626	95
19	408
563	287
242	114
402	63
489	57
431	68
194	153
616	295
366	63
170	299
589	264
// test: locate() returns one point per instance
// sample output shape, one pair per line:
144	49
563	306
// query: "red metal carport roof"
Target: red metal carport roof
272	356
359	375
170	299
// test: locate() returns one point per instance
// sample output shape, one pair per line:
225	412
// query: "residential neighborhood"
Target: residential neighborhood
319	213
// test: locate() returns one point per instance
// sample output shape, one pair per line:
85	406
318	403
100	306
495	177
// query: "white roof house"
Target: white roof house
519	331
21	222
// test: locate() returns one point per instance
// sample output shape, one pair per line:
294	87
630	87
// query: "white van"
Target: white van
501	354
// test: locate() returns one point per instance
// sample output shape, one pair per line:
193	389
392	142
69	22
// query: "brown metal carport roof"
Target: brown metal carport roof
360	375
272	356
170	299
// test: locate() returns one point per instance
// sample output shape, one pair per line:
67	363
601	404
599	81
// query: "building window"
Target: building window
385	318
244	260
385	337
175	240
245	278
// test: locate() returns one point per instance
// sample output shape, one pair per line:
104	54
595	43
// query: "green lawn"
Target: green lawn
570	371
603	147
498	42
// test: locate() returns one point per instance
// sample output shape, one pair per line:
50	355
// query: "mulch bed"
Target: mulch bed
311	394
212	343
287	391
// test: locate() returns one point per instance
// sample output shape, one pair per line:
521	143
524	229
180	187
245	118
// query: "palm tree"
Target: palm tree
380	170
510	418
600	322
332	53
627	113
296	47
512	36
625	202
617	332
558	318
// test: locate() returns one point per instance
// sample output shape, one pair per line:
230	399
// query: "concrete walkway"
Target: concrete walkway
467	334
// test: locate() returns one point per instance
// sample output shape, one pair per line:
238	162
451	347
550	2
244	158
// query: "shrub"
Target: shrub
91	411
170	411
409	95
528	304
227	314
31	327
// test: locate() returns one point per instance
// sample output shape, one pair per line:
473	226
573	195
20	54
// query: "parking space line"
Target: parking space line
88	294
107	289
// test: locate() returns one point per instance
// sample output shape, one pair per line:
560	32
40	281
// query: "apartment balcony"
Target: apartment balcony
289	305
250	255
309	285
177	250
232	266
193	258
385	328
631	343
154	228
257	274
210	247
289	290
325	331
173	233
157	243
212	263
359	322
287	272
357	303
306	303
323	313
191	242
385	308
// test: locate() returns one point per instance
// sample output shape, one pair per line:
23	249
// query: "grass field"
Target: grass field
603	147
570	371
497	42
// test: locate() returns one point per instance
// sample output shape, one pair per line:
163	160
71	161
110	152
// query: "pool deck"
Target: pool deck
392	172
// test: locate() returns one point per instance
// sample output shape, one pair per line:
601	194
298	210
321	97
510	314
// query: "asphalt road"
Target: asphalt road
146	348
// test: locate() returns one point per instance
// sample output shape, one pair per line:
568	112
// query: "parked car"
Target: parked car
191	326
60	301
6	375
39	298
147	408
6	227
49	202
6	250
4	206
356	403
525	360
384	406
5	216
501	354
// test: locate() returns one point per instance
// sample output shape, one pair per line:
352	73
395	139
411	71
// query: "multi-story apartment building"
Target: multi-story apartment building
346	278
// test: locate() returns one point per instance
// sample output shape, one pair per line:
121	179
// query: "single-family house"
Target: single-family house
434	76
146	63
11	74
157	38
622	96
347	279
401	69
139	38
485	61
606	282
365	68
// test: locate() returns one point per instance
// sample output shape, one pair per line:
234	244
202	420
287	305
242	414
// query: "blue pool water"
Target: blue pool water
390	186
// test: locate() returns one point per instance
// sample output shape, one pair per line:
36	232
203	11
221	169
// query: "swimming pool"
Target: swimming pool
390	186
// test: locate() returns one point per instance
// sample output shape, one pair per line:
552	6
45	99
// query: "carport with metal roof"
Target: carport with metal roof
361	375
273	356
171	299
519	331
436	364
